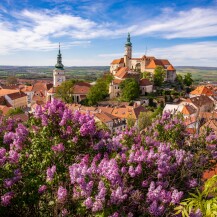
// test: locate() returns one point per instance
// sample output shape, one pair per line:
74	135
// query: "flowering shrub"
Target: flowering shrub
61	164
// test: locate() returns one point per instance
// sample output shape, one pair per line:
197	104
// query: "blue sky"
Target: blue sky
94	32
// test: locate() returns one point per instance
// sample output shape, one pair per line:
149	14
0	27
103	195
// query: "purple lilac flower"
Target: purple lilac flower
6	198
42	189
50	173
75	139
192	183
97	206
88	203
58	148
61	194
65	212
13	156
2	152
176	196
114	215
198	213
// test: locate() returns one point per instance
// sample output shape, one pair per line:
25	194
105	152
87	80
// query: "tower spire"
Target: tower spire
59	64
128	43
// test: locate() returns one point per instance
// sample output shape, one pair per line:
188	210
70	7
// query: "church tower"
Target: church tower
128	52
58	72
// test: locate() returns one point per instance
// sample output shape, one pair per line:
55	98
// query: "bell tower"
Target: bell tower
128	51
58	72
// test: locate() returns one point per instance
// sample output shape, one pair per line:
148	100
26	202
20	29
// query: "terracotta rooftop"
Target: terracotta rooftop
4	109
190	120
16	95
199	101
202	90
144	82
208	115
27	88
212	124
42	86
128	111
117	81
118	61
170	67
4	92
122	72
160	62
188	110
105	117
52	90
81	88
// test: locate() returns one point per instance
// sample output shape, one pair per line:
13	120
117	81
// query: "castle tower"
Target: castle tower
128	51
58	72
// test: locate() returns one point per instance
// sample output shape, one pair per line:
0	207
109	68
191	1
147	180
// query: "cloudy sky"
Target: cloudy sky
94	32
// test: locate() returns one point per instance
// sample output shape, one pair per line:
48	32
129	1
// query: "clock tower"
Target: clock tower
58	72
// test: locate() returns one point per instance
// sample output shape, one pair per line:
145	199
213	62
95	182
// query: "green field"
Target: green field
199	73
91	73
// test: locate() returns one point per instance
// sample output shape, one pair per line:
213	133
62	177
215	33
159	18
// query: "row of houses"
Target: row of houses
115	118
199	109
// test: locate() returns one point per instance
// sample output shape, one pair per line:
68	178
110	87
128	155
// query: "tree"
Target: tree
12	80
129	89
179	79
188	79
100	90
130	122
65	91
146	75
144	120
159	75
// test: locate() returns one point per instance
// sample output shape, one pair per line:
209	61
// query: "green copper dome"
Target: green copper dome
59	64
128	43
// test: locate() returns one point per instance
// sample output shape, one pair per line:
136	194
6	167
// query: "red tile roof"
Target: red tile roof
105	117
117	81
118	61
122	72
16	95
81	88
158	62
202	90
27	88
144	82
4	109
188	110
4	92
199	101
171	68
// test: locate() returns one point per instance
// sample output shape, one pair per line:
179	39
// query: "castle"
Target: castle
143	64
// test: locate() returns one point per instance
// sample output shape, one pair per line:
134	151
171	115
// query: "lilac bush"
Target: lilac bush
60	164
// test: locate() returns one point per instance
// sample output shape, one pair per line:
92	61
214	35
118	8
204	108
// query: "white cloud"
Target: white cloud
38	29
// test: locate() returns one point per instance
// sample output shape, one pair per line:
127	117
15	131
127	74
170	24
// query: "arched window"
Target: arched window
138	67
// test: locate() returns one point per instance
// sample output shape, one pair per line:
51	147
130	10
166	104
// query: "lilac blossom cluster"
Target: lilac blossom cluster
69	165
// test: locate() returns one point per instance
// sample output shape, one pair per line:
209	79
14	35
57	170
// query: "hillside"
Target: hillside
199	73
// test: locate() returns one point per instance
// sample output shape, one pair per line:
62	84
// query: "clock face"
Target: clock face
59	79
